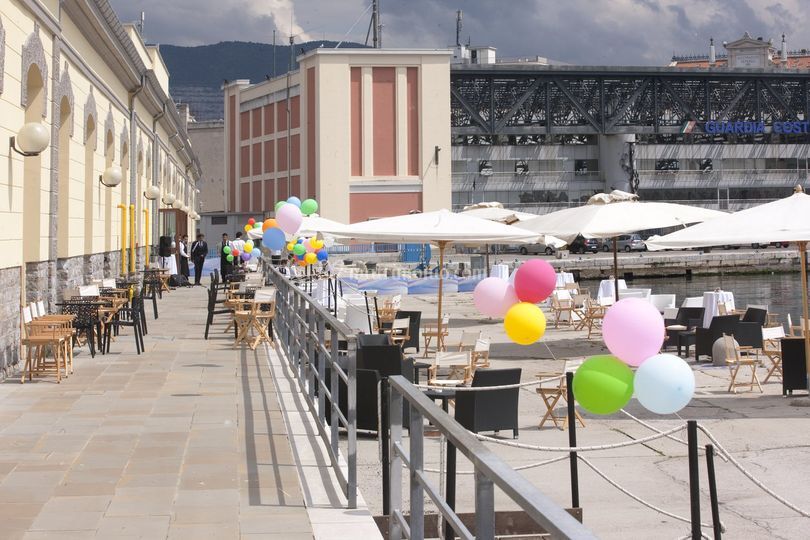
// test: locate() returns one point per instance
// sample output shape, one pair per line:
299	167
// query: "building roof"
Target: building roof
795	60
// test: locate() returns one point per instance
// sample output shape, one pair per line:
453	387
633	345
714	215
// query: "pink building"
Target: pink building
360	130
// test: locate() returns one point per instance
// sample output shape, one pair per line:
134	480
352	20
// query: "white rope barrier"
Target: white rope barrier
670	437
538	448
638	499
488	388
747	473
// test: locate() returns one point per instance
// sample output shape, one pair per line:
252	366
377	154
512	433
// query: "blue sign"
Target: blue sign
748	127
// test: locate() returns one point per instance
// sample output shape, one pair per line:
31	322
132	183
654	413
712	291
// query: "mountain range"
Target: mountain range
197	73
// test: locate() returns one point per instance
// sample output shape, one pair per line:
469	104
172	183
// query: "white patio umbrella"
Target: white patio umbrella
614	214
442	227
785	220
494	211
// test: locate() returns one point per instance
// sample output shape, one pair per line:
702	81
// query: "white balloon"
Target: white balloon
664	384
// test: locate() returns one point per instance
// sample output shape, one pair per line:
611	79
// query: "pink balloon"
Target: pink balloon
494	296
289	218
535	280
633	330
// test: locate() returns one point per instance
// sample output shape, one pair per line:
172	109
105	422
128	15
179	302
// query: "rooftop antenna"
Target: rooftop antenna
458	28
274	53
374	26
140	24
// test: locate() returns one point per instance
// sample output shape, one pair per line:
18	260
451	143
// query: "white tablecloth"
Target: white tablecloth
710	301
606	288
500	271
170	263
564	278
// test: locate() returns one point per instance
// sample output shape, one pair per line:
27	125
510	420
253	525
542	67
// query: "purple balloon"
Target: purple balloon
633	330
494	296
245	256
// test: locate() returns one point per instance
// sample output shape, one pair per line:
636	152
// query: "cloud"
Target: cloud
588	32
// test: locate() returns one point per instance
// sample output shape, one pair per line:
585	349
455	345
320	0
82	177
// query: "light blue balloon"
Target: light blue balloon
255	254
294	200
273	238
664	384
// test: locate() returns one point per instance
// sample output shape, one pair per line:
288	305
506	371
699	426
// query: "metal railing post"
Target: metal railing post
385	424
572	438
484	507
416	457
334	391
394	495
351	417
322	359
450	493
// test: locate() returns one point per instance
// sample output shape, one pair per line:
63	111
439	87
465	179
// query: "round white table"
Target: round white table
500	271
608	290
711	299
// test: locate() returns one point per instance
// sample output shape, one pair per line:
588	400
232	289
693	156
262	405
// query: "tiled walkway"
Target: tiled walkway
185	441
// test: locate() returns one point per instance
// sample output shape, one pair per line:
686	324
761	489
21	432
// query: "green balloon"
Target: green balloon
603	384
279	204
257	225
309	206
229	258
226	250
299	249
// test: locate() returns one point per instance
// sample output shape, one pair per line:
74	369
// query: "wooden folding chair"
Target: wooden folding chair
431	330
795	330
736	362
456	368
400	331
772	349
721	309
243	316
556	393
265	312
468	340
560	306
40	337
480	354
593	314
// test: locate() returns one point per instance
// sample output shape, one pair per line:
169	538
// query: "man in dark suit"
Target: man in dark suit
199	249
225	267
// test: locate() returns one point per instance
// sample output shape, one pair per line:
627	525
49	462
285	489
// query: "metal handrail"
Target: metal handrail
490	471
303	326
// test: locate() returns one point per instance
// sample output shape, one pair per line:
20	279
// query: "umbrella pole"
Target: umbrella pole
615	268
442	245
806	323
487	259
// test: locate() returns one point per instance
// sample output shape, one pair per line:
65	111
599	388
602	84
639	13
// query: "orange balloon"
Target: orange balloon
268	223
302	263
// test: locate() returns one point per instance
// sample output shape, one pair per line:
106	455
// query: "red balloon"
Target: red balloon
251	221
235	253
535	280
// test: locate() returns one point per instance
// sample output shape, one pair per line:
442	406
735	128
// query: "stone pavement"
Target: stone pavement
185	441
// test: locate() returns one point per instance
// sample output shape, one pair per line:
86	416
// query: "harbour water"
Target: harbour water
780	292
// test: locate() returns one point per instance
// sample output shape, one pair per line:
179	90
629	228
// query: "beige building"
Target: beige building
100	129
364	131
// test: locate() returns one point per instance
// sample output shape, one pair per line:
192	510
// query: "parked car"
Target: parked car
536	249
626	242
584	245
756	245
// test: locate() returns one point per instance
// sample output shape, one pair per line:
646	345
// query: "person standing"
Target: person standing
225	267
199	250
238	245
182	250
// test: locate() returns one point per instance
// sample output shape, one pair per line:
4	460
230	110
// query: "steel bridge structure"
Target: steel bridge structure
516	100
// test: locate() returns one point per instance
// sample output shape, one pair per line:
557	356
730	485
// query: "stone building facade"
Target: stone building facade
103	95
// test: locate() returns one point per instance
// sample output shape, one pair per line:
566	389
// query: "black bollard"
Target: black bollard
450	498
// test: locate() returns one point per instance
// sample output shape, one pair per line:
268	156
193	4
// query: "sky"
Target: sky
585	32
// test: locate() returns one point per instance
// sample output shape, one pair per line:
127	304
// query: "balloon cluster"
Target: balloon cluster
307	251
634	332
289	216
524	322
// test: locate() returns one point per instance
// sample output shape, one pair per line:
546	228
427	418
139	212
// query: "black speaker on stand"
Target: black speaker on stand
165	246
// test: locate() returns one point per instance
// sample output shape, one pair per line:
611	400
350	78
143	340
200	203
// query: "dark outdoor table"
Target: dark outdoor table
686	339
444	396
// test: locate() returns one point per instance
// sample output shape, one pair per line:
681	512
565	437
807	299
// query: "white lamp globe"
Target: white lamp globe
177	205
112	176
33	138
152	193
168	198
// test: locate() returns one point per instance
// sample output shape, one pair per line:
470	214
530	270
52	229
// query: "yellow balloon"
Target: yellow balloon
524	323
310	258
248	228
290	246
316	244
248	248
